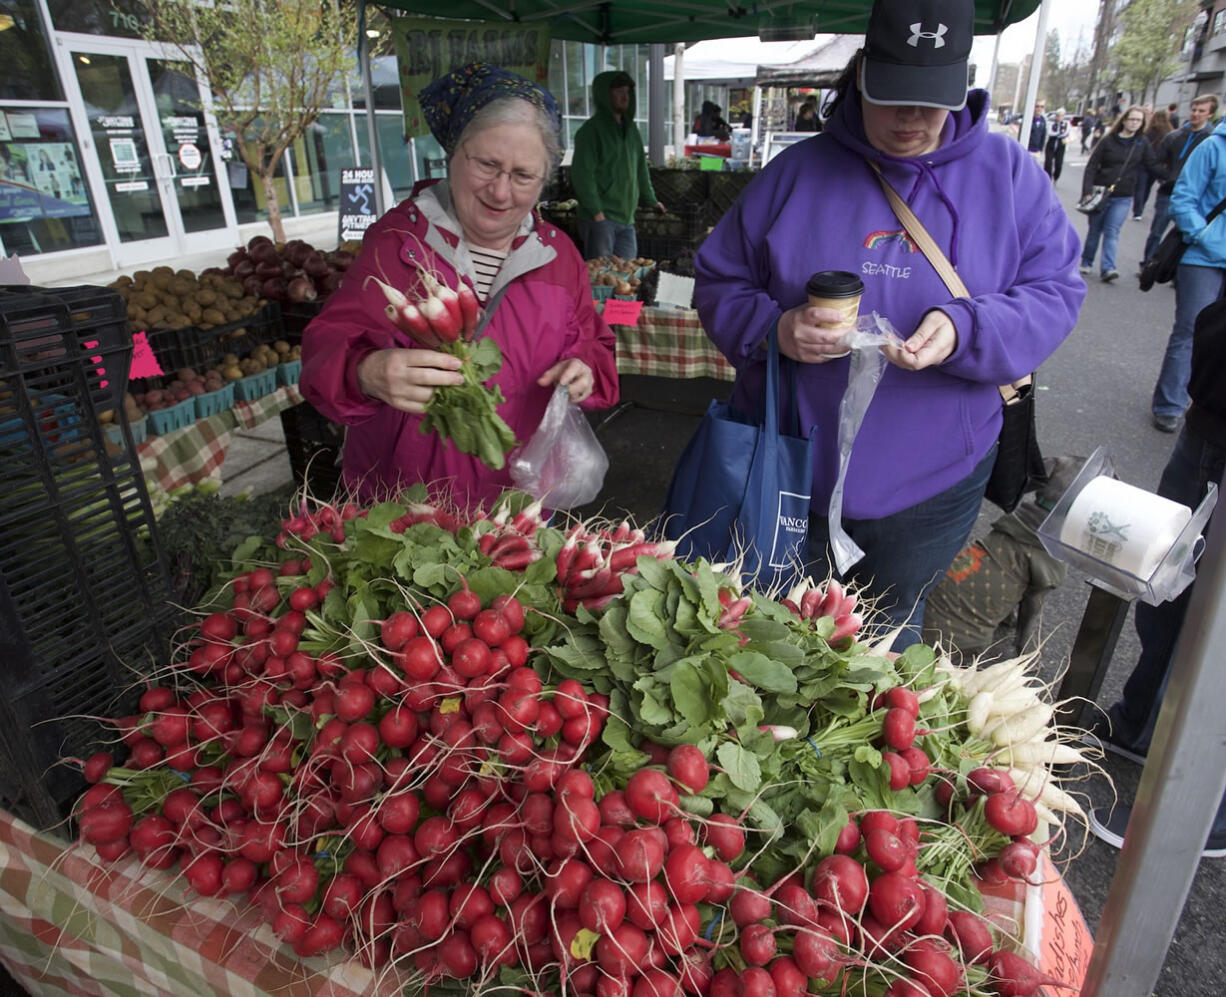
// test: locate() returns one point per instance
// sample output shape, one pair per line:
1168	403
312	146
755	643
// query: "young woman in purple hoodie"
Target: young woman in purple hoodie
923	455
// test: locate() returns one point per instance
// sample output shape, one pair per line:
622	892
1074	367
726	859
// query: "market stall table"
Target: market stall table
68	926
669	342
197	451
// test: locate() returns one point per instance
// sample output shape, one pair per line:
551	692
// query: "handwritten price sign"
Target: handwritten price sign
618	312
1066	944
144	362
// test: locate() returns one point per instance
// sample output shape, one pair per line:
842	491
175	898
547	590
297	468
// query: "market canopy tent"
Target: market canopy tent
626	22
743	59
819	68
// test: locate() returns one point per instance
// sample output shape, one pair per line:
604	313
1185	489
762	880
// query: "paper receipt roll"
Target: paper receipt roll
1129	528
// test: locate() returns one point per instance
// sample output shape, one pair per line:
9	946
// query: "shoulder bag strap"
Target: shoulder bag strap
915	229
938	259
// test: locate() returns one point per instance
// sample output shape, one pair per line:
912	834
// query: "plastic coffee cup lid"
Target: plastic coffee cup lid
834	284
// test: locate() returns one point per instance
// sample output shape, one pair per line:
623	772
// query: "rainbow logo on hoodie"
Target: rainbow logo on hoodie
875	240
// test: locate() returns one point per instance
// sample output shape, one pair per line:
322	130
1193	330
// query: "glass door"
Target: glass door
192	167
128	164
155	152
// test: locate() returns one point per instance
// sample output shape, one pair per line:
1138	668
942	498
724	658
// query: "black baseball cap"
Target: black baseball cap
916	52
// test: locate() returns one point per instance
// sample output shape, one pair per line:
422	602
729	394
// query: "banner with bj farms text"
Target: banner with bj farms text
428	47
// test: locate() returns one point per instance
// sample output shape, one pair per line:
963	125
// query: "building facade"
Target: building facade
109	159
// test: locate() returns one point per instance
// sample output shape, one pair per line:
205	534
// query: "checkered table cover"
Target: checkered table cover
70	925
196	452
669	342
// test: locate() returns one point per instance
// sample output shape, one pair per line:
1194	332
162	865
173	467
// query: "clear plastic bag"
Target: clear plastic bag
867	365
563	464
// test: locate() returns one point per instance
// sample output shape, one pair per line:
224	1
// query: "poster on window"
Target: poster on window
40	180
428	47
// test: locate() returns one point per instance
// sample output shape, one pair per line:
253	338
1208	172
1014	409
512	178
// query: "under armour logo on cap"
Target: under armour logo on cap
917	32
916	52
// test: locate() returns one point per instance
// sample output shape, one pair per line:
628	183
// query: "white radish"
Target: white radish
978	711
1018	728
989	677
1036	753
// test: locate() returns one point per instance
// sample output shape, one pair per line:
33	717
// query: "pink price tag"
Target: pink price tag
144	362
618	312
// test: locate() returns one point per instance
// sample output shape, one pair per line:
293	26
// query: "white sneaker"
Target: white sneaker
1084	270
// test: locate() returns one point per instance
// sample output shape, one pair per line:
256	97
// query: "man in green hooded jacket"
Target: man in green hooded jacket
609	170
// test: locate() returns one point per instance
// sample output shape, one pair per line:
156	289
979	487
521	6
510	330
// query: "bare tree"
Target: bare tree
270	65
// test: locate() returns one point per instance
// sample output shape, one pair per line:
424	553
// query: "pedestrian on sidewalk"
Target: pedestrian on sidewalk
1159	127
1112	164
1057	139
1088	121
1038	131
1200	277
1197	460
1174	151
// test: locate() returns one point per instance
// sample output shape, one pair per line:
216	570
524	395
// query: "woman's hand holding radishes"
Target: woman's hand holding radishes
446	378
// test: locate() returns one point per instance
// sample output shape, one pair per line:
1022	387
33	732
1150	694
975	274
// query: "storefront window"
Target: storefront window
394	150
318	158
124	18
26	72
384	80
44	202
250	204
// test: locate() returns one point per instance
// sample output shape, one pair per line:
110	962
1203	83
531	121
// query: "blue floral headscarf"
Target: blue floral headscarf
452	101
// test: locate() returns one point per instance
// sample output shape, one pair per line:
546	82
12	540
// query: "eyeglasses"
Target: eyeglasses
487	171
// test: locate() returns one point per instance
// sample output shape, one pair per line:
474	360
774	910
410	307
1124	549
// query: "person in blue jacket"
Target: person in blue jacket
1199	281
921	460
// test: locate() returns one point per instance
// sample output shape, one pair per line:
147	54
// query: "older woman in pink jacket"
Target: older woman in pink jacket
501	135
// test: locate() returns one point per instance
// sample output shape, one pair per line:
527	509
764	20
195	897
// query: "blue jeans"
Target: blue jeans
1195	287
1193	463
608	238
1107	224
1157	228
907	553
1145	180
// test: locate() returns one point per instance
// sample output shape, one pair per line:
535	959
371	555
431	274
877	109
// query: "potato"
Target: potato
106	417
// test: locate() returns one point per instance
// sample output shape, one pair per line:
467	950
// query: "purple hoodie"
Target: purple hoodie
818	206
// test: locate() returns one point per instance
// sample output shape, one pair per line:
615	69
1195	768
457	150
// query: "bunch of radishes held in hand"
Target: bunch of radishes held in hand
439	317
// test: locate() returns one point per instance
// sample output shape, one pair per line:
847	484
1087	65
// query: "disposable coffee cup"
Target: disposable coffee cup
838	289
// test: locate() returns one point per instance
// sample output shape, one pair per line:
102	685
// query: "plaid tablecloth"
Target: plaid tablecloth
669	342
69	926
196	452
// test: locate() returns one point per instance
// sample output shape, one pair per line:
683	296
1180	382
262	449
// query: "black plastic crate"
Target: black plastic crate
314	444
201	349
677	188
84	595
295	316
725	188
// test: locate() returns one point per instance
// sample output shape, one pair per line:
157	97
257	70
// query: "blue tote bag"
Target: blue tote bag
743	488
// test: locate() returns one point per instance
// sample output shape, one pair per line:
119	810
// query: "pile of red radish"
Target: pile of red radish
419	789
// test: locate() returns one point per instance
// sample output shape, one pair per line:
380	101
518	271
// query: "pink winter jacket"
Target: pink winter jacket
544	315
